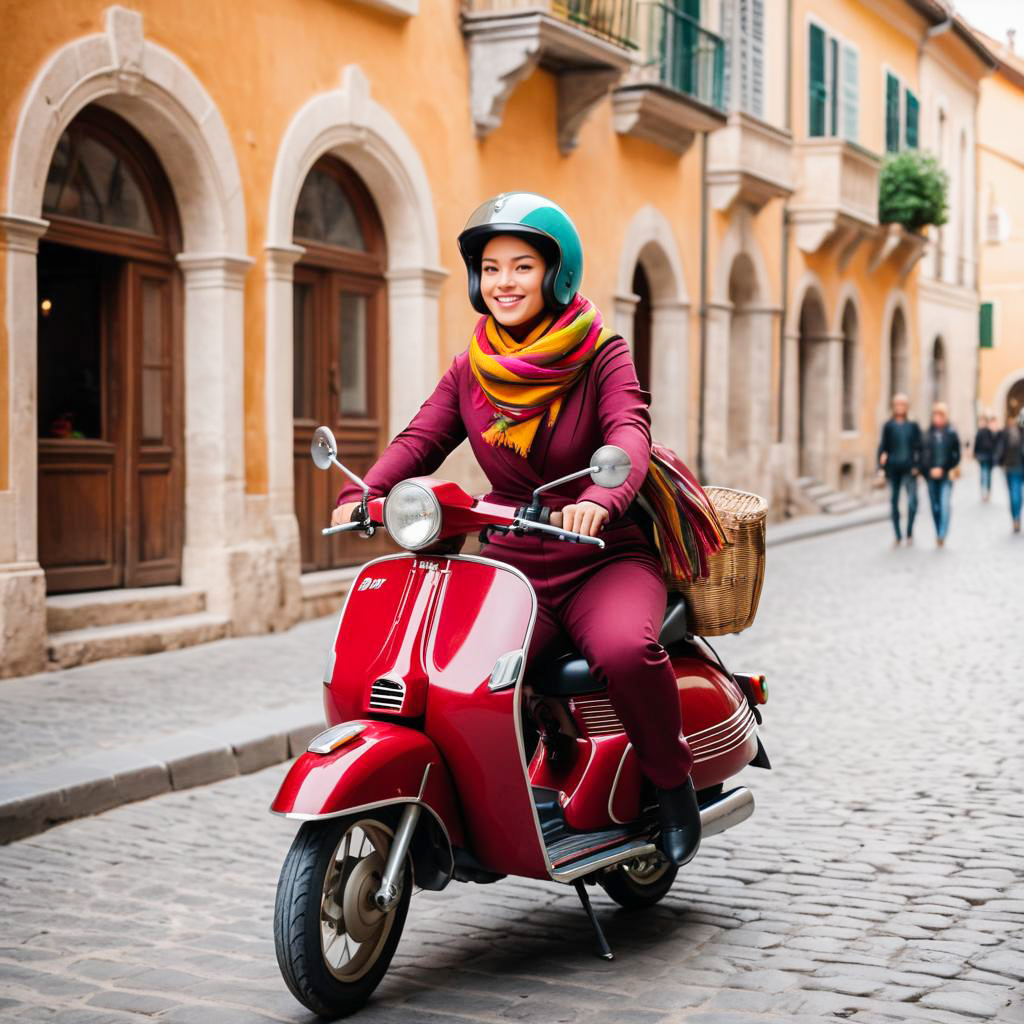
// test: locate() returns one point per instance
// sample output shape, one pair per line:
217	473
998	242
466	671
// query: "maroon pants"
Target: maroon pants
610	607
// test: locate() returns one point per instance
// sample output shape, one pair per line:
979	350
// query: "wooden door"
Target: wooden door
339	336
110	426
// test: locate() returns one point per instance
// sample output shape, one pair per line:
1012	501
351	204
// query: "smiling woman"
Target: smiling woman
511	275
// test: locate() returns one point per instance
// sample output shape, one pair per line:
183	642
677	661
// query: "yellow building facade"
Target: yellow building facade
222	224
1001	197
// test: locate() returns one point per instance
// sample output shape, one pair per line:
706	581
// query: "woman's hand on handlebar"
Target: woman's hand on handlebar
587	518
343	513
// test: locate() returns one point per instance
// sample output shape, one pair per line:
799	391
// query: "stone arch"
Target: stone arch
939	367
158	94
816	377
849	331
895	328
650	243
349	124
1012	382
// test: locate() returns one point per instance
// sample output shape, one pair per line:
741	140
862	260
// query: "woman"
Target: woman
940	457
984	447
542	385
1009	453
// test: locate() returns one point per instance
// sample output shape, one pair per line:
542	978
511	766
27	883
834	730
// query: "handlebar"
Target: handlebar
555	531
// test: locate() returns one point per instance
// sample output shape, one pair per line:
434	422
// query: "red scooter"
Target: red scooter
445	760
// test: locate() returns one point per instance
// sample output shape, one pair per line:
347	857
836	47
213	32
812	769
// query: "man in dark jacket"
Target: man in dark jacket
1009	453
940	457
898	455
984	447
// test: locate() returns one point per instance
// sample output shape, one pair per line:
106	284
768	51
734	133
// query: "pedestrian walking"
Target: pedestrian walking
984	448
899	453
1009	453
940	459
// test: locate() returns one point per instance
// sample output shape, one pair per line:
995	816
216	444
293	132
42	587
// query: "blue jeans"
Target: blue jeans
986	476
897	480
1015	483
939	494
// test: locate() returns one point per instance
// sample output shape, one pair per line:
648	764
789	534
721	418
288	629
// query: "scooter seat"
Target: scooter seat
569	675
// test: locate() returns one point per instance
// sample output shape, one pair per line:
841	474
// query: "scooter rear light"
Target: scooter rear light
754	687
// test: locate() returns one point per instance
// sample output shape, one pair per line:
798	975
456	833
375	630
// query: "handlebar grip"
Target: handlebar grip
344	528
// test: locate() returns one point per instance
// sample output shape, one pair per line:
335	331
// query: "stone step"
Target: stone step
124	639
844	505
817	490
107	607
834	498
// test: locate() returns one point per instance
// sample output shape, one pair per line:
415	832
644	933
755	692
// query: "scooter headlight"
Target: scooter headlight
412	515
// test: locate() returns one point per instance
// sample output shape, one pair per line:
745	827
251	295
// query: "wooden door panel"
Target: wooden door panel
78	546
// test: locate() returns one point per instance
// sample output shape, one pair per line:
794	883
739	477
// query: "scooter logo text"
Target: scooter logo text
372	584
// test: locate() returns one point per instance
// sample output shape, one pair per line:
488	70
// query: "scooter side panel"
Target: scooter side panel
386	763
487	609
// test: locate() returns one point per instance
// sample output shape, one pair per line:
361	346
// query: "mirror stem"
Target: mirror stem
535	504
357	480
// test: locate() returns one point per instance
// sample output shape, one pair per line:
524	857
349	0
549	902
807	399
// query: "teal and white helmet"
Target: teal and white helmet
545	225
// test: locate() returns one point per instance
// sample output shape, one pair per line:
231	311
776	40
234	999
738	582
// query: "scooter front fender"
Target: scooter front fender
386	764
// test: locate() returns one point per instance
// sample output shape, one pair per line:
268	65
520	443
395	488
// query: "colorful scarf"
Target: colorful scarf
524	379
687	531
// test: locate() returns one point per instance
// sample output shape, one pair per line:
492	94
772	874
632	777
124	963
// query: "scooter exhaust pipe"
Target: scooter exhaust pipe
728	810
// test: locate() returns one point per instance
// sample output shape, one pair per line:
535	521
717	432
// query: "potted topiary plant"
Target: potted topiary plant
912	191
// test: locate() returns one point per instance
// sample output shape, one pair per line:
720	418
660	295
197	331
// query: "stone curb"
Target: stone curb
806	527
38	800
236	746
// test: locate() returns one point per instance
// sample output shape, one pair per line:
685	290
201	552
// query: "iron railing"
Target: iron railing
611	20
683	55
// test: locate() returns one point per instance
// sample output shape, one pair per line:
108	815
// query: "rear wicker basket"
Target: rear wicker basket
726	602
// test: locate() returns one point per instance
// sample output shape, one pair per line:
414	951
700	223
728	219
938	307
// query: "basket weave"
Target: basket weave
726	602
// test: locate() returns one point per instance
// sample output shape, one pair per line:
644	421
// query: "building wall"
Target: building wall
1001	200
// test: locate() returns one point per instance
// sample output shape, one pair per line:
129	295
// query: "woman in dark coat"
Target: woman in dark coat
542	385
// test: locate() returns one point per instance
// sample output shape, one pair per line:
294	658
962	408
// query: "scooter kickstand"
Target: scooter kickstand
581	891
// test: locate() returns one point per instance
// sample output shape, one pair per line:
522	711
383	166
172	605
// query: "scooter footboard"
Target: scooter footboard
382	764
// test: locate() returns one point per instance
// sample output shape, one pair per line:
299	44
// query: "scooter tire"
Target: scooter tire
298	921
632	892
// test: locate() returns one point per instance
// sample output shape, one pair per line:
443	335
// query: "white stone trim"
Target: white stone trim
400	8
650	241
348	123
159	95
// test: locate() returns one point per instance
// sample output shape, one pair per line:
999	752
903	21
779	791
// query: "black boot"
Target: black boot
680	823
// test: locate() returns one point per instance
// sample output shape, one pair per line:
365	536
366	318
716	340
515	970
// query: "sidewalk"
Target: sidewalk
80	741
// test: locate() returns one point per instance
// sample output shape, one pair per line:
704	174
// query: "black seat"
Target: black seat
569	675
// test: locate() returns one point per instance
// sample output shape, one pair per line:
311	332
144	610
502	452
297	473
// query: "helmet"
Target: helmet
545	225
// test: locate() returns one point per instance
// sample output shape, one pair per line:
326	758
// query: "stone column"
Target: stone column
791	406
716	391
413	340
670	374
833	424
22	583
224	554
624	304
760	395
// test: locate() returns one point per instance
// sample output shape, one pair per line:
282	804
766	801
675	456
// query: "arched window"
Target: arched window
339	346
642	327
110	375
899	371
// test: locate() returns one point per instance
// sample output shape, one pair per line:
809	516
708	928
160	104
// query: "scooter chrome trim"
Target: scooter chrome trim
729	810
615	785
337	735
387	895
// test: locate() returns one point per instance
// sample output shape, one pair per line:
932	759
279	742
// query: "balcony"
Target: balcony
836	198
749	161
676	89
896	246
587	44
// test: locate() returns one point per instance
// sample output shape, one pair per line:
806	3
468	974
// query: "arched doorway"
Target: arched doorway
813	384
1015	400
642	327
899	367
110	412
742	293
339	309
938	388
849	329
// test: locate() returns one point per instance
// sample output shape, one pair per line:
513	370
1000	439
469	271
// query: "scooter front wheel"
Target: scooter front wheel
637	884
333	944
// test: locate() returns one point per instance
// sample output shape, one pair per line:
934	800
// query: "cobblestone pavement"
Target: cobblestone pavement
40	717
881	878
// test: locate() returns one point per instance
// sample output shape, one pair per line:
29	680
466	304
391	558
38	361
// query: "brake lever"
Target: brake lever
557	533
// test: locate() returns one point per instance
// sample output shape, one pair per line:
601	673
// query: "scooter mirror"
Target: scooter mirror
323	447
609	466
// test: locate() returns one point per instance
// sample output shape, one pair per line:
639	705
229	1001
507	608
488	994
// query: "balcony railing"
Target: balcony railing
612	20
683	55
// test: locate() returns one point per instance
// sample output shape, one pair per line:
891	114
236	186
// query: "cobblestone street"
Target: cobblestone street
880	879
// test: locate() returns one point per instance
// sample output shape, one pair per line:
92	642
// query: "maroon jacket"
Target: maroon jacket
607	406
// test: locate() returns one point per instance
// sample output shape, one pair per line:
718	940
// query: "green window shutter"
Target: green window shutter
892	113
986	337
833	90
913	111
816	82
850	93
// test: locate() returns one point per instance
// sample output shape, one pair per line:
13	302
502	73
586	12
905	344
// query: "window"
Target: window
833	92
986	332
742	24
902	115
